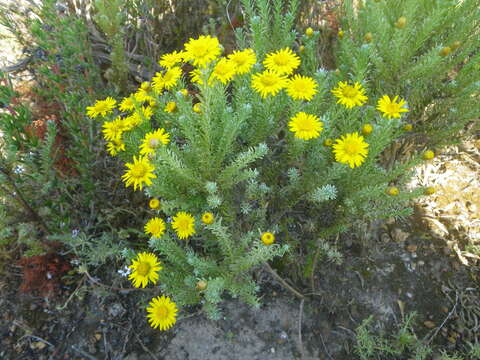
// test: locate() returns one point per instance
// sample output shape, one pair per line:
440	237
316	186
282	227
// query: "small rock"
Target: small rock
421	263
429	324
98	336
116	310
399	235
444	309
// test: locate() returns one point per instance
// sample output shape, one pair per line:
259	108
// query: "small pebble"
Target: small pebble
429	324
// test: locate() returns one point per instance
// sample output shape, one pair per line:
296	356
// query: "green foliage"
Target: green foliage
433	60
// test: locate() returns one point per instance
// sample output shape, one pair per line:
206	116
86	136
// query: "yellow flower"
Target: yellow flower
301	87
114	147
223	71
196	76
184	92
368	37
155	227
113	130
127	104
171	59
268	83
139	172
350	149
145	113
167	80
154	203
208	218
341	34
367	129
203	50
408	127
350	95
145	269
153	140
183	224
162	313
428	155
301	48
393	191
243	60
309	32
390	108
197	108
101	107
268	238
305	126
143	93
170	107
283	61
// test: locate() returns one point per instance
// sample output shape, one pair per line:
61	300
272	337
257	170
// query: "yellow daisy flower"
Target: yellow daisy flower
171	59
183	224
301	87
392	191
170	107
223	71
196	76
367	129
305	126
428	155
145	113
153	140
167	80
350	95
155	227
208	218
197	108
154	203
101	107
113	130
114	147
391	108
243	60
283	61
162	313
267	238
127	104
139	172
268	83
143	93
350	149
145	269
203	50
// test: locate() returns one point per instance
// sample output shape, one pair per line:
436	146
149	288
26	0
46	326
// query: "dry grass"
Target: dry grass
453	212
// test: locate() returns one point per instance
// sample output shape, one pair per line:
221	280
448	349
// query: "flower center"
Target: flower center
350	92
281	60
162	312
268	80
304	125
139	171
351	148
154	143
201	50
240	60
392	108
143	269
167	77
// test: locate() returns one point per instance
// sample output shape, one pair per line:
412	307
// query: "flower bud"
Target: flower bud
367	129
197	108
445	51
428	155
268	238
430	190
154	203
328	142
301	48
201	285
309	32
393	191
341	34
456	45
401	22
368	37
408	127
